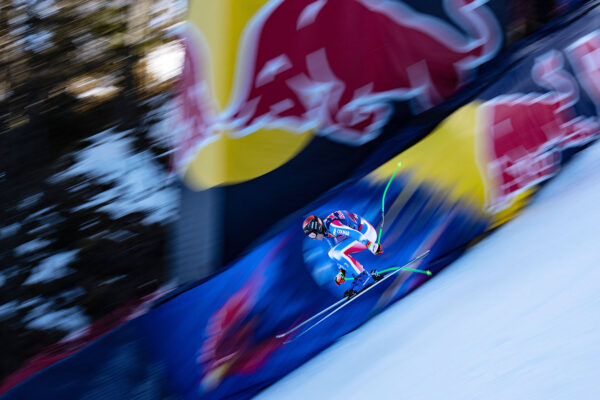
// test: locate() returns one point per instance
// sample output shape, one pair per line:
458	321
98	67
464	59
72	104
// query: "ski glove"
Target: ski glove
375	248
340	277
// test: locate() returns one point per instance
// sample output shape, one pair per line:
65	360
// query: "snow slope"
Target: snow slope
517	317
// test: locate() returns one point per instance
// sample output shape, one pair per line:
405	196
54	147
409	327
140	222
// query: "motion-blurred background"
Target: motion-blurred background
113	193
85	94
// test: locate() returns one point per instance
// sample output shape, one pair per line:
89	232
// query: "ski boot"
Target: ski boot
360	282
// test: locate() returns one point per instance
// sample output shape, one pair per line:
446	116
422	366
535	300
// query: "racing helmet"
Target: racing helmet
312	226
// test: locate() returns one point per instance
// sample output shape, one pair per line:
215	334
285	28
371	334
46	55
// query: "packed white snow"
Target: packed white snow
517	317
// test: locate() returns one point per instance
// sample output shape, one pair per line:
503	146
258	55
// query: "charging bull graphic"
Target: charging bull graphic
234	342
230	347
335	66
522	135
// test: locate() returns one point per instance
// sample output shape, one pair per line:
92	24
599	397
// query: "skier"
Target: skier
346	233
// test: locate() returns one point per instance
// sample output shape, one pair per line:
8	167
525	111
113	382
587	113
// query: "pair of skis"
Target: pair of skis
338	305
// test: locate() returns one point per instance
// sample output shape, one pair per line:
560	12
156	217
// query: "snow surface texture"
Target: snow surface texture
517	317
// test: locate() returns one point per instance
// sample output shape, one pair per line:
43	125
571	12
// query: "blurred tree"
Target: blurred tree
61	49
68	70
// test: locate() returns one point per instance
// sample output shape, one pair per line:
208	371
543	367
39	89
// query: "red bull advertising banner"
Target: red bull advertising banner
234	334
280	100
330	68
521	136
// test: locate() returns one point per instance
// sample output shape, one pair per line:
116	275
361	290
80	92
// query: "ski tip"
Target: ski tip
428	273
400	163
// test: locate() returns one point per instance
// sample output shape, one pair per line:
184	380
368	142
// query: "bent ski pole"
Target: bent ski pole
383	201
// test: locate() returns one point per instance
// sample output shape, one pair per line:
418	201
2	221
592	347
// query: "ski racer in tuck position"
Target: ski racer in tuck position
346	233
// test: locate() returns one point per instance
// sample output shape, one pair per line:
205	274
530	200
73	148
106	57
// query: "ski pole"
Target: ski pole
383	201
420	271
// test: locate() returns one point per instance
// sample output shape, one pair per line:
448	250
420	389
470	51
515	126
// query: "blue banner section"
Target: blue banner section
219	339
116	366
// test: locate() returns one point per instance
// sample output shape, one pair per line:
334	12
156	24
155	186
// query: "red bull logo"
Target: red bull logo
521	136
335	67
